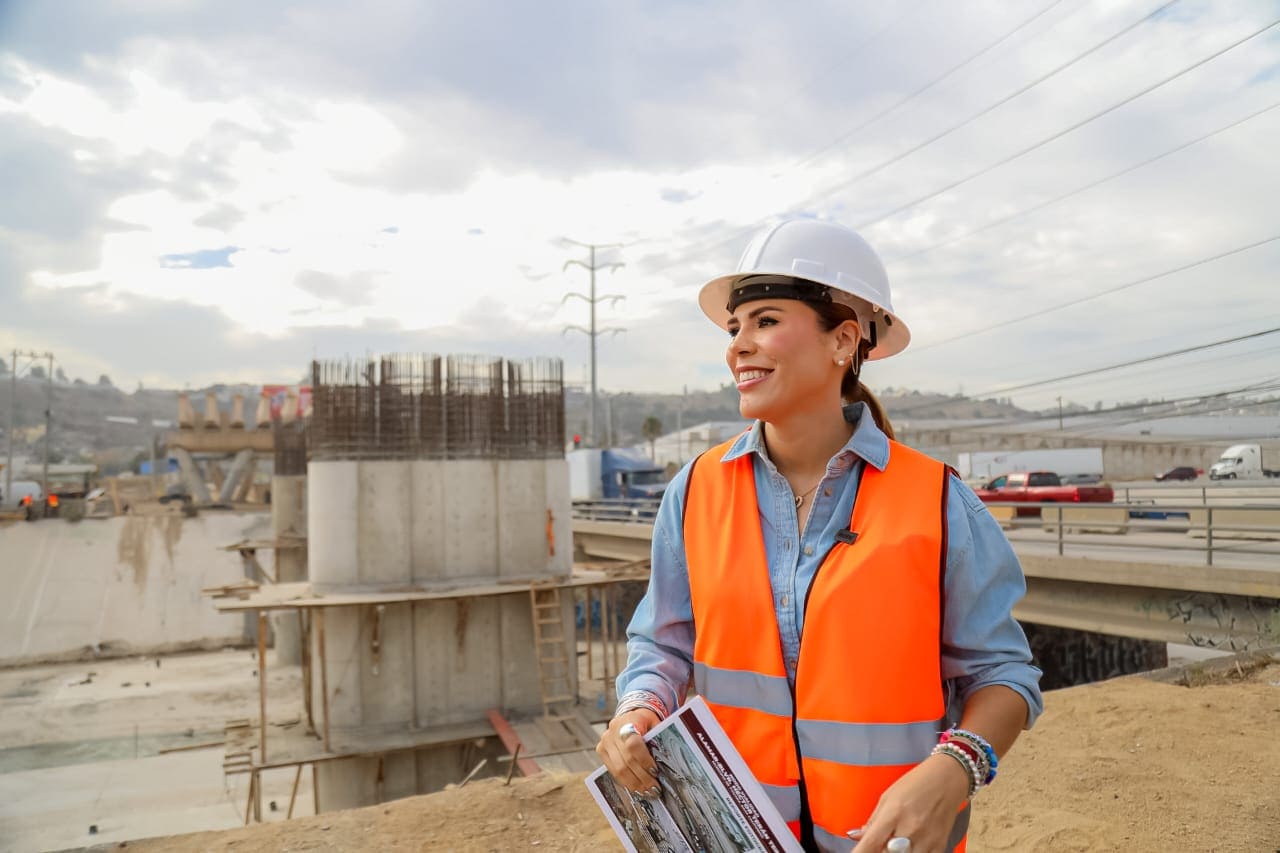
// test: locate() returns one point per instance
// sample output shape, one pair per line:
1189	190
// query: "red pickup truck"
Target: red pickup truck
1041	487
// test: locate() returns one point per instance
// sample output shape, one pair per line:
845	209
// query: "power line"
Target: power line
1132	362
739	233
964	235
920	91
1096	295
1054	136
1104	369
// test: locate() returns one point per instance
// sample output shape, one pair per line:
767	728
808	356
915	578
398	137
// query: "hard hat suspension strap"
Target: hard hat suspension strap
755	287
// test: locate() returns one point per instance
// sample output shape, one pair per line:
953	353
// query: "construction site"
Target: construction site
370	592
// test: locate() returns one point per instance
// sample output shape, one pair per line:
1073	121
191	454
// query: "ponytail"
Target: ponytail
860	393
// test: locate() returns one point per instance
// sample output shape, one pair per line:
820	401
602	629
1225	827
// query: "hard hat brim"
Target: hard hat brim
892	336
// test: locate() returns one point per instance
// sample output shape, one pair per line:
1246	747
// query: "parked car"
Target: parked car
1080	479
1040	487
1178	472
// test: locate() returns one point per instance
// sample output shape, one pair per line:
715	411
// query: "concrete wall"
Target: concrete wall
429	523
124	585
380	524
1121	460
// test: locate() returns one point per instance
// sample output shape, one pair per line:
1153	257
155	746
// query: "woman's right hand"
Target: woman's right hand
627	759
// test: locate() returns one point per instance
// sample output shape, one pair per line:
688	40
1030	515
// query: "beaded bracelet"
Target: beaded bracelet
981	743
970	768
978	757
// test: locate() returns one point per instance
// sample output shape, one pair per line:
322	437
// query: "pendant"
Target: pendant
799	500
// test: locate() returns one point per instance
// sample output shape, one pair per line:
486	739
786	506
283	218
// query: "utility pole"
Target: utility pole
1059	414
592	331
14	370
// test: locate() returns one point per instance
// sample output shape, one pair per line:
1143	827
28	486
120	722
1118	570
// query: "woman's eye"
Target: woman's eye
767	321
733	333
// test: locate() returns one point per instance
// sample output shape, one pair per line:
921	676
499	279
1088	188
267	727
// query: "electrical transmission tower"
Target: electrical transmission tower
593	332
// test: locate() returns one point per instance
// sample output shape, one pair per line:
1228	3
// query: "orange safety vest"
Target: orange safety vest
868	696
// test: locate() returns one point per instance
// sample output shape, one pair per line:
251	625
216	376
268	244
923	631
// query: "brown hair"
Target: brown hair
852	390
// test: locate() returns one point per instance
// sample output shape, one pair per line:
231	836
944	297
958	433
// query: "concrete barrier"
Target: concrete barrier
1006	515
116	586
1265	523
1087	518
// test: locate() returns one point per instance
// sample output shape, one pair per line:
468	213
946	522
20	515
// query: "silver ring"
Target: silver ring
898	845
626	730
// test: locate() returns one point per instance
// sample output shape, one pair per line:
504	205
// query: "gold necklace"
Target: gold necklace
800	498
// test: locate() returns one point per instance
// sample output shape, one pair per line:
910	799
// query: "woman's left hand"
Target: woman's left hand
921	806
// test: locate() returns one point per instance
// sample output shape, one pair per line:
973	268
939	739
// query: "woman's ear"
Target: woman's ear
848	334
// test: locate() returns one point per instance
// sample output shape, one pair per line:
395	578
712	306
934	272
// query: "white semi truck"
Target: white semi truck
1241	462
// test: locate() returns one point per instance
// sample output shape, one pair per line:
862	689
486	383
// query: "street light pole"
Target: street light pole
593	332
13	408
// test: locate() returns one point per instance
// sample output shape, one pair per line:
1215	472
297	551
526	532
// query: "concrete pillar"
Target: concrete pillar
186	414
262	419
192	478
237	411
289	522
212	418
241	467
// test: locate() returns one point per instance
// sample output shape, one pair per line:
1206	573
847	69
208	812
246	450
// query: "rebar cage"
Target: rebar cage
437	407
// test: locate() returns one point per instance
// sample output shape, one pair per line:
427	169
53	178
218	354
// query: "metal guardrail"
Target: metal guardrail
1221	536
643	510
1243	537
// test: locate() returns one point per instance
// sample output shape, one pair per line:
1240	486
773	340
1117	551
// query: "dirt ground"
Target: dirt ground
1125	765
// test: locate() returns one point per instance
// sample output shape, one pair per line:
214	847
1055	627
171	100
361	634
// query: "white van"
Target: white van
23	489
1240	462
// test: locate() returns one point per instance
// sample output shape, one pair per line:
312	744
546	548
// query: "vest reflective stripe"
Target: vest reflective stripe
868	744
770	694
829	842
786	798
862	719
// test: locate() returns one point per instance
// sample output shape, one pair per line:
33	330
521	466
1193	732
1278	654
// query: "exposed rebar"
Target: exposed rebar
434	407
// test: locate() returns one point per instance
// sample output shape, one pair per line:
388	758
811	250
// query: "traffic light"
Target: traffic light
577	441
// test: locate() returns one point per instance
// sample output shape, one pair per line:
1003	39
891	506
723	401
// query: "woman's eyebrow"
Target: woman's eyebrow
751	315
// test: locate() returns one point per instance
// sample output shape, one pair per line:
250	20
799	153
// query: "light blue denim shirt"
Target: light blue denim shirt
982	644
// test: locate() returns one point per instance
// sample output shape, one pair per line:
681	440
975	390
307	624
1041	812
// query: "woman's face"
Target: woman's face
782	360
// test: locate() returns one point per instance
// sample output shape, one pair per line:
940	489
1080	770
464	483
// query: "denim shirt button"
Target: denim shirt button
808	550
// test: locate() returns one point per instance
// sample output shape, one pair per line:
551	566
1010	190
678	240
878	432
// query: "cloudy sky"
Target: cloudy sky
196	191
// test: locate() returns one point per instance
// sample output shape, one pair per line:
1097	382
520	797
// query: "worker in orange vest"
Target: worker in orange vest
842	602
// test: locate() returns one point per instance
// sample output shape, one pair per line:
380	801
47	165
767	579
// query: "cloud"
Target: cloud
402	176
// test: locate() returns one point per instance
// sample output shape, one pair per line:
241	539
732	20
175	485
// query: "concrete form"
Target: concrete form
389	525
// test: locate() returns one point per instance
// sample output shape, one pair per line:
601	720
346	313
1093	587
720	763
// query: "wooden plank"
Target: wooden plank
300	594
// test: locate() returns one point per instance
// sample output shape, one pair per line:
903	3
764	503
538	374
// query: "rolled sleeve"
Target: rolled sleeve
982	644
660	636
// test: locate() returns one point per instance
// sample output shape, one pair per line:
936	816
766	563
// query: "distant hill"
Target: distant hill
627	411
82	431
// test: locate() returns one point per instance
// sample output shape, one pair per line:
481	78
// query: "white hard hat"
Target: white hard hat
843	266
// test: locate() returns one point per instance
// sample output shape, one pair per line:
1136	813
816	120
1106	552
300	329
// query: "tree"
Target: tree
105	381
3	367
60	375
36	372
652	428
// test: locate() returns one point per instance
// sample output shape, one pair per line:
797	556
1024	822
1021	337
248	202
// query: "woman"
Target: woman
837	598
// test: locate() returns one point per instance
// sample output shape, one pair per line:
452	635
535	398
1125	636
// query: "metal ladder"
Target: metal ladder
551	650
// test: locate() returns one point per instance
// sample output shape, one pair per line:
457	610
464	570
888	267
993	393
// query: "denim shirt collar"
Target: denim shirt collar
867	442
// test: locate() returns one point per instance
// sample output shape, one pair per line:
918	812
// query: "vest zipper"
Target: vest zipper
807	838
